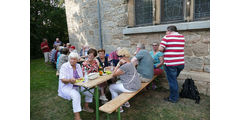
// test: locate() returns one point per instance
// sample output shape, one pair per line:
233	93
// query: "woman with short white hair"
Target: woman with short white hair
69	72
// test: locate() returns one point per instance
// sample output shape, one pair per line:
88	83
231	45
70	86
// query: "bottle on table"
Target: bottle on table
111	66
85	74
100	70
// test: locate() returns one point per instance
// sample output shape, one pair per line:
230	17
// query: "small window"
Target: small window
201	9
143	12
172	11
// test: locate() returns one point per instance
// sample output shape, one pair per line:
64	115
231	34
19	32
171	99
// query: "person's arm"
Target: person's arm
161	62
98	63
118	71
43	47
162	45
62	76
66	81
134	61
161	49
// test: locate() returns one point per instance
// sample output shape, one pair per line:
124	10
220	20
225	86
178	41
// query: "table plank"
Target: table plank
95	82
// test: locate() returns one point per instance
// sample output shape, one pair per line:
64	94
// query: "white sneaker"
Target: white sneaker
127	104
103	98
121	109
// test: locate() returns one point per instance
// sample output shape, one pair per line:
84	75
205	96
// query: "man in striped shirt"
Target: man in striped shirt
172	46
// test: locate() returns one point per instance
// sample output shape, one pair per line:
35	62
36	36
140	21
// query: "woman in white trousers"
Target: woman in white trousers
69	72
129	79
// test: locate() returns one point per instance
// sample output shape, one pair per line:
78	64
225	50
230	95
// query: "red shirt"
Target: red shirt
174	49
45	49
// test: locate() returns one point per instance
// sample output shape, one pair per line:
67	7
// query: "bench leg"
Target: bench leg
119	115
97	102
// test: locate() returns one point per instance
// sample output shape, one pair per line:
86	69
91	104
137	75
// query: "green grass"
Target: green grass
146	105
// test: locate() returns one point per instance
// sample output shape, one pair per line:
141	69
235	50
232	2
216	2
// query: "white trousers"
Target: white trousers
76	98
46	55
117	89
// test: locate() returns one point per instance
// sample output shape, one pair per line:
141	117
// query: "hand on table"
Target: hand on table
73	80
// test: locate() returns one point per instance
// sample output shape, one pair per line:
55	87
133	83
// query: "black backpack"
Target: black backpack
189	90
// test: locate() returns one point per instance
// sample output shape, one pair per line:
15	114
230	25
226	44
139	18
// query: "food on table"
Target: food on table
100	73
108	72
79	80
93	75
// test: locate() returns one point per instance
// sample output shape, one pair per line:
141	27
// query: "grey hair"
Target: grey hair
140	45
155	43
73	55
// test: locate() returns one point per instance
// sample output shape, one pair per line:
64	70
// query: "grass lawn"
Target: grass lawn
148	105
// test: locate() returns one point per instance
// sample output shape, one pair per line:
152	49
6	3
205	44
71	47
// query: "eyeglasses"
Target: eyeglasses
121	56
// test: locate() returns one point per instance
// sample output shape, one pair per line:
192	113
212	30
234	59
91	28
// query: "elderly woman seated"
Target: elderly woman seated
103	62
69	72
129	79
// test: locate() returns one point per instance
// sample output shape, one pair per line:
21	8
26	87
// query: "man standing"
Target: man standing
145	63
57	42
172	46
45	49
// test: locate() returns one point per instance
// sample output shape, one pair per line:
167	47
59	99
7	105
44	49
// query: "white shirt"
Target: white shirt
66	72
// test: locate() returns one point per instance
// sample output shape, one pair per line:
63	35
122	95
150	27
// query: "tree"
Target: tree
47	20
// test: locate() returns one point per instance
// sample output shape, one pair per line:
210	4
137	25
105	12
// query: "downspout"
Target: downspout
99	25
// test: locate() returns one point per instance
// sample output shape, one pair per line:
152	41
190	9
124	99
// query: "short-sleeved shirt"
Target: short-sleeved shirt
156	58
130	82
45	49
173	45
145	64
66	72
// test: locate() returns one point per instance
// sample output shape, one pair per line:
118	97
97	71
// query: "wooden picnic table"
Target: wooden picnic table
94	83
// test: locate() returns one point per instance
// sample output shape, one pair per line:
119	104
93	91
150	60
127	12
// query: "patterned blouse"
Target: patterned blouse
90	67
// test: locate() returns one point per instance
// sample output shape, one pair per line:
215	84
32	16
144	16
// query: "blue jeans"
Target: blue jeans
172	74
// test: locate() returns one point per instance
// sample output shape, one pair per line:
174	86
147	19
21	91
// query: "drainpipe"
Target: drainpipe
99	25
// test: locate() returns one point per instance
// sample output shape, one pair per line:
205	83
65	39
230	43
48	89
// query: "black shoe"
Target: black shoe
167	99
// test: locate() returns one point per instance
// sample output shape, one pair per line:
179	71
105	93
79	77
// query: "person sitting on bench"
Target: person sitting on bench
144	62
129	79
69	73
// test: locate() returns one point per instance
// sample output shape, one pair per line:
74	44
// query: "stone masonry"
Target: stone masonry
82	20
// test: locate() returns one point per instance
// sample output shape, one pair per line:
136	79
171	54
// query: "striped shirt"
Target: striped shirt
173	45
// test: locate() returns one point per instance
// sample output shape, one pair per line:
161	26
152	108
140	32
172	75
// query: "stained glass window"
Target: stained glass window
201	9
172	11
143	12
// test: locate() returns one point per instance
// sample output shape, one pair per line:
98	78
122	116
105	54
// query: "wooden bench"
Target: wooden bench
115	104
